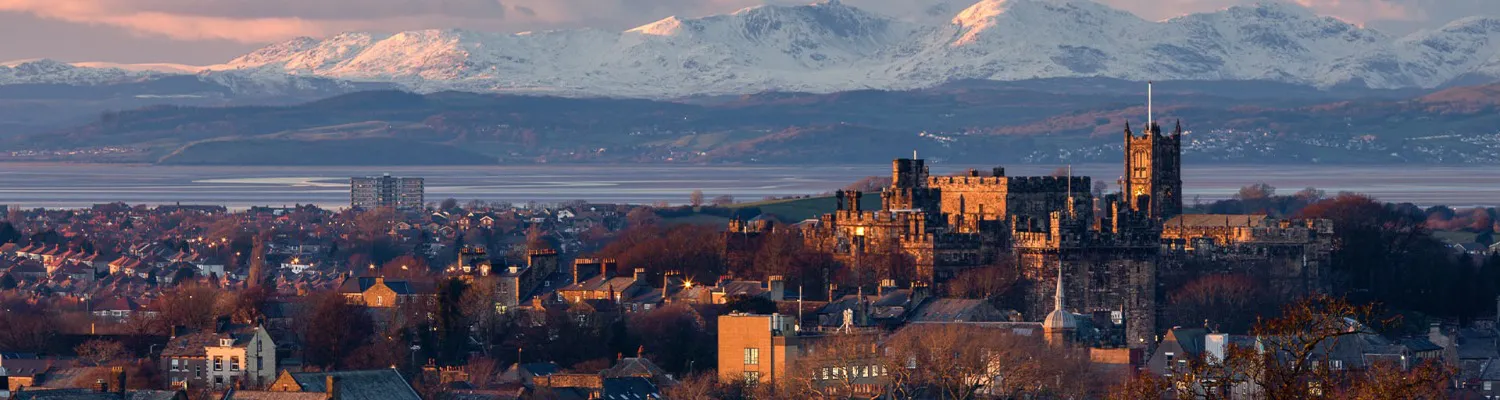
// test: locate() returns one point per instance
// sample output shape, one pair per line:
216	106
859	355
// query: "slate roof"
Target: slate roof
629	389
599	283
947	310
90	394
1420	345
379	384
258	395
363	283
190	345
743	288
29	364
1190	339
1491	371
634	367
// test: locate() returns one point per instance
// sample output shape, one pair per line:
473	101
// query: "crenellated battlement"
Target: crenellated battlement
940	181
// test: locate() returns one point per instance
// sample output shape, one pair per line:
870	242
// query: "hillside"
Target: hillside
350	152
962	123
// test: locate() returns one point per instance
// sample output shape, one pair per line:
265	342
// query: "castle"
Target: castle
1115	250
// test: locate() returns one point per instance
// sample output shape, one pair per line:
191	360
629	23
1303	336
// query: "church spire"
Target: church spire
1059	303
1059	324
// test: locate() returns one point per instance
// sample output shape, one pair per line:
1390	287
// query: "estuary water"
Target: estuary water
82	185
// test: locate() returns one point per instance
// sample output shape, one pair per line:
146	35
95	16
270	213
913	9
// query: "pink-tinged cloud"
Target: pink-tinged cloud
187	27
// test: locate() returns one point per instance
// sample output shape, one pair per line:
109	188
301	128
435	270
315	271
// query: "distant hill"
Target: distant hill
1071	120
353	152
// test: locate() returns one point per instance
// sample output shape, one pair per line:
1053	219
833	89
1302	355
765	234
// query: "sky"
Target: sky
203	32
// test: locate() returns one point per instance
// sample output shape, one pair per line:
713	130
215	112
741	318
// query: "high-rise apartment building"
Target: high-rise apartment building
386	191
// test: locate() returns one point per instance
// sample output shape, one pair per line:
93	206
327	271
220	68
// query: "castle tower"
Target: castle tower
908	173
1153	171
1059	326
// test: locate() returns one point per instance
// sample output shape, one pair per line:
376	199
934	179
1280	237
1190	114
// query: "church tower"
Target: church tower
1153	171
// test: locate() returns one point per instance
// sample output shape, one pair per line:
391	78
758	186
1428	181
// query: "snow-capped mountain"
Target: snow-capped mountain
53	72
831	46
247	82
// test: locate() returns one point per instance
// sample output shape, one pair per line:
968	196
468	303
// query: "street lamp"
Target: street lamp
414	349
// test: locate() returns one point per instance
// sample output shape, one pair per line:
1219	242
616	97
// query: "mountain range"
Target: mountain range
1054	120
831	47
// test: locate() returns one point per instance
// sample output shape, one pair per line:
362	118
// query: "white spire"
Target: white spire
1059	305
1059	319
1149	117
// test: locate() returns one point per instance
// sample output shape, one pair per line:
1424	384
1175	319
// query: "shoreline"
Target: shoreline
79	185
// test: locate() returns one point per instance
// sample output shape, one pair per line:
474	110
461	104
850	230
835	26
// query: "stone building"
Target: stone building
1114	250
1291	256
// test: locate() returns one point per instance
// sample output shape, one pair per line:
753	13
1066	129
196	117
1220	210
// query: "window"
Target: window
174	364
1336	364
1488	386
218	363
752	356
752	377
234	363
379	301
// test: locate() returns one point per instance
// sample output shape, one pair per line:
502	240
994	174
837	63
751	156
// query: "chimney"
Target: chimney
332	387
120	377
640	273
777	288
101	386
885	285
380	280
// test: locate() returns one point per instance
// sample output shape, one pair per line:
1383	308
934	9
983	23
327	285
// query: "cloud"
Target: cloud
260	21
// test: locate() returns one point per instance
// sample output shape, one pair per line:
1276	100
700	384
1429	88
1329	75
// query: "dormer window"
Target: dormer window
226	342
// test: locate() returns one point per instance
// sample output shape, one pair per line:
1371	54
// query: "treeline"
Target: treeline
1384	253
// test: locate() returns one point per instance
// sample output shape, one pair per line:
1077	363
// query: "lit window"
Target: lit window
752	356
752	377
218	363
1488	386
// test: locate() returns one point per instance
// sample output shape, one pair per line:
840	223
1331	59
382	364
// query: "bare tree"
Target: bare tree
953	361
1289	362
100	352
989	282
1258	191
834	366
696	198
